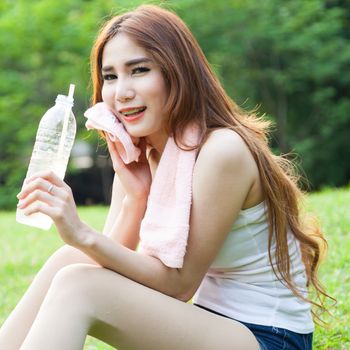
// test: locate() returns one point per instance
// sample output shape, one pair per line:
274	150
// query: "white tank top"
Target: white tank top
241	284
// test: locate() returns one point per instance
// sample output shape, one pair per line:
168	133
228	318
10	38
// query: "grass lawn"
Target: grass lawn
24	250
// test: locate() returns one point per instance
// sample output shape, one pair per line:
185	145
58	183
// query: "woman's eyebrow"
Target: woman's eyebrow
137	61
107	69
128	63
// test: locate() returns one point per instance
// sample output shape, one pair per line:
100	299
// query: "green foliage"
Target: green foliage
289	57
20	264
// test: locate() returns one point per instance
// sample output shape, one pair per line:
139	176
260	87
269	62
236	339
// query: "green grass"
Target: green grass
24	250
332	209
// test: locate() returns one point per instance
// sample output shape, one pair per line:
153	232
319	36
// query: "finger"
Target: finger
117	161
38	195
143	146
48	175
41	207
135	140
43	185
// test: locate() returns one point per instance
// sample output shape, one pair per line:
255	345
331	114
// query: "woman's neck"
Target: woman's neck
158	141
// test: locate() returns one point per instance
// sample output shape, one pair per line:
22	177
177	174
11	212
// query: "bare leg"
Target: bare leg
85	299
16	327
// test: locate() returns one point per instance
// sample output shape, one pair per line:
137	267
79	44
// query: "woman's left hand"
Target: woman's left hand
46	193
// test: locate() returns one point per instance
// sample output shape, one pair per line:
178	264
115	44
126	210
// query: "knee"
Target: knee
62	258
67	255
71	284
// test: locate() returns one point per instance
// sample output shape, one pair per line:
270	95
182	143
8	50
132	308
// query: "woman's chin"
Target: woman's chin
136	133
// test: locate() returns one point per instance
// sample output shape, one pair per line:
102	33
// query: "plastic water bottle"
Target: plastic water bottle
53	144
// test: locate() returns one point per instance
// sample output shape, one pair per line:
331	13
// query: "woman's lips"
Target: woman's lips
133	117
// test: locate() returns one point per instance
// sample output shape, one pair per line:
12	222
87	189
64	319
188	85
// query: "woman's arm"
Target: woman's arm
123	226
224	174
117	197
131	184
223	177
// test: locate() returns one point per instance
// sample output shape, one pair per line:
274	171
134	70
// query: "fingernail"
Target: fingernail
19	195
20	204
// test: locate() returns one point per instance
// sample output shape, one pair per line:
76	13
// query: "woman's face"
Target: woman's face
133	87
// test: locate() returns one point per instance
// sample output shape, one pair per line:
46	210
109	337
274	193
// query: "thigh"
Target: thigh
128	315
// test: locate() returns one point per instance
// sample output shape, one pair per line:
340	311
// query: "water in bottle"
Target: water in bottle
53	144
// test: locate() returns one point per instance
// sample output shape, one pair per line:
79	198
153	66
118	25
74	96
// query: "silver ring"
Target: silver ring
50	188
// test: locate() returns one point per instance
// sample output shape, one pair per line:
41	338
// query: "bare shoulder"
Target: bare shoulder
226	147
226	159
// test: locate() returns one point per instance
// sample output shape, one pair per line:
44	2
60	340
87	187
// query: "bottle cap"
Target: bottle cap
67	99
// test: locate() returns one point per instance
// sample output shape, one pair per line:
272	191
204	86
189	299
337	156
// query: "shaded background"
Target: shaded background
291	58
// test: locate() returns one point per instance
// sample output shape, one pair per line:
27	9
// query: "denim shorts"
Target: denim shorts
274	338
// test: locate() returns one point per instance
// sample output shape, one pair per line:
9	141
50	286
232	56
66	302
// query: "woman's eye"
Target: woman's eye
109	77
138	70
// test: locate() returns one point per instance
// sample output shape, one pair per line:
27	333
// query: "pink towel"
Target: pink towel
165	226
101	118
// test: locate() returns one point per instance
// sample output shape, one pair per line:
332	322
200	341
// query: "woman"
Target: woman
248	257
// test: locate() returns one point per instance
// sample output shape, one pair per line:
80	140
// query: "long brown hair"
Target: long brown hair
195	94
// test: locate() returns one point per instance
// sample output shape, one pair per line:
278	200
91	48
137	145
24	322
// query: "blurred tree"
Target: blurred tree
290	57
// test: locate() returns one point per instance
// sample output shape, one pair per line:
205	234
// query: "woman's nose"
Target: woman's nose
124	92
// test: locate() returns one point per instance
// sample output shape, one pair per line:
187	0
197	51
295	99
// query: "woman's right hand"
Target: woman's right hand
135	177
